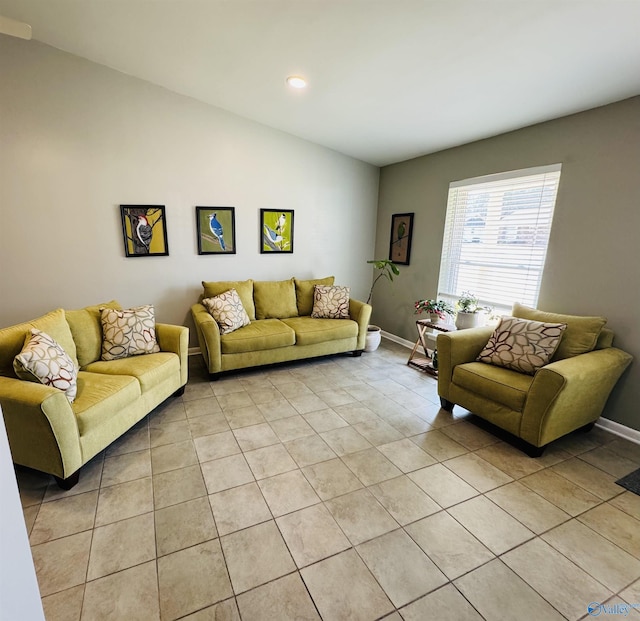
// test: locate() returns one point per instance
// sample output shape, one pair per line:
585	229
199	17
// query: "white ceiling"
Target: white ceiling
388	79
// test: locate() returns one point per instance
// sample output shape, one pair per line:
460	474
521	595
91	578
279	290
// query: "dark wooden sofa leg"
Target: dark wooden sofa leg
357	353
533	451
69	482
179	392
446	405
587	427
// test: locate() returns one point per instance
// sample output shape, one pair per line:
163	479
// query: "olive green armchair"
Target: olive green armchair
566	394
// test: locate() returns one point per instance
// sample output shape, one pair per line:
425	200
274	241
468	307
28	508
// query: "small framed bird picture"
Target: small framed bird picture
216	230
400	243
144	228
276	230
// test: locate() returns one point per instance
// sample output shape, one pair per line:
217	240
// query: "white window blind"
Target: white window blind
496	235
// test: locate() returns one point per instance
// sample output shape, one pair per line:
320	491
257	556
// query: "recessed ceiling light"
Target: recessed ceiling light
295	81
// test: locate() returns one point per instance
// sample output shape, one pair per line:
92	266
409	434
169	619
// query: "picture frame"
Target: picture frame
144	230
400	240
216	228
276	231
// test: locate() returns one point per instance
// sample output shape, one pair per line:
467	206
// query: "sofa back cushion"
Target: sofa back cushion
304	292
12	339
243	287
86	329
275	299
580	336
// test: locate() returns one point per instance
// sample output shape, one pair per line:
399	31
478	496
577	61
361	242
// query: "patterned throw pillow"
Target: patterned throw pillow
43	360
330	302
522	345
227	310
129	332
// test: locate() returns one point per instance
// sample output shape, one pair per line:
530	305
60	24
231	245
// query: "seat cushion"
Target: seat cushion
149	370
275	299
243	287
304	292
258	336
502	385
311	331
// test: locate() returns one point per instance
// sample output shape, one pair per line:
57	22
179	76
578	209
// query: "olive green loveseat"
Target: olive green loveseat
567	394
48	433
281	327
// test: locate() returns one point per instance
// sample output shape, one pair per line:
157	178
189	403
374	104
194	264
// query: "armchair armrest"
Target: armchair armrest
208	335
41	426
456	348
570	393
360	312
175	339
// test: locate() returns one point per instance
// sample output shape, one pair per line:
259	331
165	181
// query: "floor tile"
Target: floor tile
625	448
324	420
616	526
244	416
363	600
627	502
287	492
355	413
196	391
360	516
264	394
124	500
344	441
445	487
168	433
309	450
445	604
202	407
449	545
312	534
478	472
206	425
89	481
291	428
371	466
64	605
63	517
269	461
406	455
176	486
256	555
499	594
30	515
331	478
131	594
255	436
192	579
334	398
408	424
403	570
510	460
235	401
589	477
226	610
631	594
239	508
126	467
307	403
469	435
133	440
611	462
277	409
438	445
378	432
184	525
215	446
404	500
225	473
173	456
284	599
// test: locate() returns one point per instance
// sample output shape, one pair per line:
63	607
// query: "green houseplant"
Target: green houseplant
470	313
438	309
388	269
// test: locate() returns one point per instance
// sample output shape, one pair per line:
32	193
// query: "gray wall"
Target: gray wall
593	262
78	139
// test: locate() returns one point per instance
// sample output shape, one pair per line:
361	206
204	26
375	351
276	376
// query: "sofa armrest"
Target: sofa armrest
360	312
456	348
41	426
208	335
570	393
175	339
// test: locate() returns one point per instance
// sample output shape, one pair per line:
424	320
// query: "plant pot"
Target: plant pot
469	320
434	317
373	338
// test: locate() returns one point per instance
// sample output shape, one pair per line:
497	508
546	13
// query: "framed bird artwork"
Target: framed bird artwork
400	243
216	230
276	230
144	228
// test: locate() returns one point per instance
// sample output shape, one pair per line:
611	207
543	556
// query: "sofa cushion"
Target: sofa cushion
275	299
86	329
258	336
100	396
310	331
129	332
330	302
504	386
243	287
227	310
149	370
305	290
43	360
580	336
521	344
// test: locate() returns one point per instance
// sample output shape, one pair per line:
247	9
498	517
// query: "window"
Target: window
496	235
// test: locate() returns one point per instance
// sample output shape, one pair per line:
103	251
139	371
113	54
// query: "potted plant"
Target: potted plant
470	313
388	269
438	309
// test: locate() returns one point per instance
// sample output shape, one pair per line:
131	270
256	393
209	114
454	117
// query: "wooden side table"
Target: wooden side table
425	363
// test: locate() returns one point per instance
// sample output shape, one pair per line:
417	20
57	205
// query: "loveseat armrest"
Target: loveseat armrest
456	348
175	339
360	312
41	427
570	393
208	334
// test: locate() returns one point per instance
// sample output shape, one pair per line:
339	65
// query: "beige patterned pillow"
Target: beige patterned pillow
129	332
330	302
227	310
43	360
522	345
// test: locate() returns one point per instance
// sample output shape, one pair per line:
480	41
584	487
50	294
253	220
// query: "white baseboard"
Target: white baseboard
396	339
617	429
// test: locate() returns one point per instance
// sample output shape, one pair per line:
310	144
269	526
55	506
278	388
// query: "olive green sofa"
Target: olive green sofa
281	327
48	433
567	394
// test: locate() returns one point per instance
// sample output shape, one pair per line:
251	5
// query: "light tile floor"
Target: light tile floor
334	489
